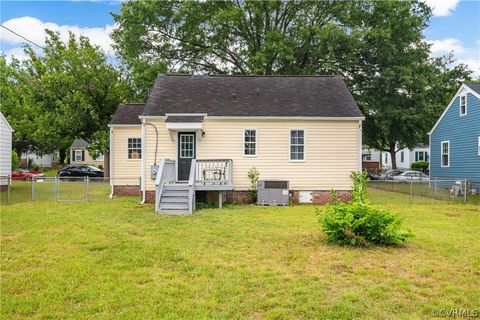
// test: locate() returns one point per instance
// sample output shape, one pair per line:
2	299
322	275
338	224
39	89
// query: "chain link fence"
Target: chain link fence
67	189
425	191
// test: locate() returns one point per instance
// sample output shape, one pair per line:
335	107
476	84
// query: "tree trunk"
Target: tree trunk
392	155
62	154
106	164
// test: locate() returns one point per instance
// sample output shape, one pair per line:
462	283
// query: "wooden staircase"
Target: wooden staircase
174	199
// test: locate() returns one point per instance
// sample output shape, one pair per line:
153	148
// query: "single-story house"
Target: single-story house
405	157
42	160
5	150
80	155
203	134
376	159
455	137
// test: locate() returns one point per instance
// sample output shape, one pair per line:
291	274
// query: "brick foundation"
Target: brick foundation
150	196
318	197
132	191
238	197
241	197
323	197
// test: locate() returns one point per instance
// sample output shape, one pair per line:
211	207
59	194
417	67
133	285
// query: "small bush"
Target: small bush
420	165
15	160
100	167
253	176
358	223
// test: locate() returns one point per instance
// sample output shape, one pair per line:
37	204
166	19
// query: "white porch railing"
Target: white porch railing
191	187
214	172
166	172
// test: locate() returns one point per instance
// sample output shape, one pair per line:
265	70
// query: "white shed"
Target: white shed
5	149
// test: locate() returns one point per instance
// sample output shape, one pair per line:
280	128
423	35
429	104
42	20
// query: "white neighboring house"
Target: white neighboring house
5	149
405	157
44	161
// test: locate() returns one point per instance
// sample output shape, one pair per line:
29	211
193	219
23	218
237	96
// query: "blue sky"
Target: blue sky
455	25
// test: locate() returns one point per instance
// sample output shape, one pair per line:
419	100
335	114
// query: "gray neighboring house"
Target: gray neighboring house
80	155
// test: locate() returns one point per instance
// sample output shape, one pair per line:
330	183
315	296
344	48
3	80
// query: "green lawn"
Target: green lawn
117	259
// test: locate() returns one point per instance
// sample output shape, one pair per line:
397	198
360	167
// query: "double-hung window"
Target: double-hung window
478	146
463	105
402	156
445	148
249	142
134	148
297	145
78	155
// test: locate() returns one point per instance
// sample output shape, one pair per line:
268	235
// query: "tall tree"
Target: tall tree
400	89
77	91
247	37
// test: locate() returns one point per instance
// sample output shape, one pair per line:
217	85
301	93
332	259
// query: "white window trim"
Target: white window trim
126	149
256	143
194	145
99	156
478	146
460	105
76	152
304	144
441	154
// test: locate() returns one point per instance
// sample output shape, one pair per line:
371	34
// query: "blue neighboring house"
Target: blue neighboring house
455	138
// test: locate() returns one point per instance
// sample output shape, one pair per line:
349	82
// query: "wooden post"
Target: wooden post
220	199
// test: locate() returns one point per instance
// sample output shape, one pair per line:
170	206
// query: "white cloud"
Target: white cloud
446	46
34	30
462	54
442	8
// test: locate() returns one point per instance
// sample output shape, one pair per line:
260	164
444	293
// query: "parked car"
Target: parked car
411	175
390	174
24	174
80	171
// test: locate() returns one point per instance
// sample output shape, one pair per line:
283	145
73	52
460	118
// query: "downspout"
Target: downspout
360	145
111	162
142	174
156	141
144	193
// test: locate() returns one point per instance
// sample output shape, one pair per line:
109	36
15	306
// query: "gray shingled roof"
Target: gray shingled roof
474	86
184	119
128	113
79	143
244	96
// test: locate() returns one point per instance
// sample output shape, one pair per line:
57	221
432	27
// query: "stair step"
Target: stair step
173	205
166	199
174	212
175	187
175	193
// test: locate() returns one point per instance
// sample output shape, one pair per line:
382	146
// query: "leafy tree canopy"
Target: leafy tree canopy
376	46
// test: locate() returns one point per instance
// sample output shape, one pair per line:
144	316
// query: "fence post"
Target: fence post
9	181
465	191
55	188
85	189
33	188
411	192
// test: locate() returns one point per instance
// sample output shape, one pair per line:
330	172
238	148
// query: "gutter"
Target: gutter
142	175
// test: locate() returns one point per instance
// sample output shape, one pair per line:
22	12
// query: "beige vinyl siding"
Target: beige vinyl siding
332	151
88	158
123	170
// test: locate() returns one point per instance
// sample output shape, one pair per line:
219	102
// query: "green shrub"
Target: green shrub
100	167
358	223
15	160
420	165
253	176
